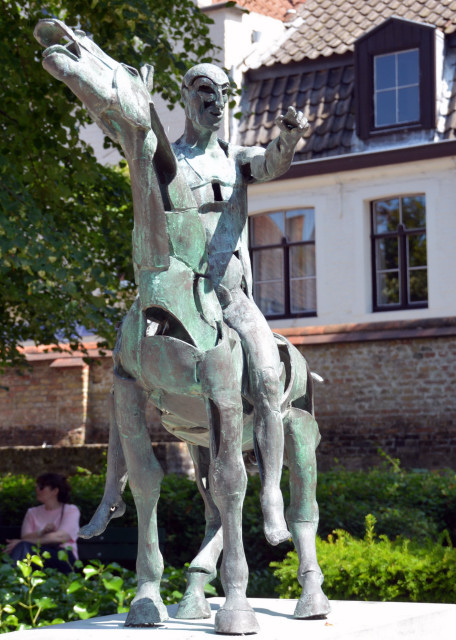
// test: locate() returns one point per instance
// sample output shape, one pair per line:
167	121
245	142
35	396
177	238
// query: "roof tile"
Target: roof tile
325	94
316	94
273	8
318	35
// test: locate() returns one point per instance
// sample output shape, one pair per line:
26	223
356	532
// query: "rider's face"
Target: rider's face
205	102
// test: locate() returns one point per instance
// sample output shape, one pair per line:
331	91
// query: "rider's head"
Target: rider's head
205	94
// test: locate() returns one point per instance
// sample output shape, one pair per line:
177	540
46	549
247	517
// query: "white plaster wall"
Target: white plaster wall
342	215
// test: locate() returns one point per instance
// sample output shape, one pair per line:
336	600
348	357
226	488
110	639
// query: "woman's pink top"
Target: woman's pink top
67	520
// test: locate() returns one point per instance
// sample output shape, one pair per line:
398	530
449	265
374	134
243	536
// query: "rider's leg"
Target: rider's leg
263	363
203	569
111	505
228	481
145	475
301	439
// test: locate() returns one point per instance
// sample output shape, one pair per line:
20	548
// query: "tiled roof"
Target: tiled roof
325	96
331	26
308	75
273	8
61	351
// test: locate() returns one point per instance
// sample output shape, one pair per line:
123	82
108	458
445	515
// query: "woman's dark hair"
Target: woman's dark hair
55	481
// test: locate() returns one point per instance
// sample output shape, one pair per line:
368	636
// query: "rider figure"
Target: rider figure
218	174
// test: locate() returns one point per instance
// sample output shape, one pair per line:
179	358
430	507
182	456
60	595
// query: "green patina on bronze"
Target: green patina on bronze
194	343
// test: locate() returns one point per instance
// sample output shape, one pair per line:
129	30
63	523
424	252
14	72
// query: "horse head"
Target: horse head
114	94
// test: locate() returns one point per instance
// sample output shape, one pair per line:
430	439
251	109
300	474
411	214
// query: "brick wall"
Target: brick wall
396	394
399	395
61	401
43	404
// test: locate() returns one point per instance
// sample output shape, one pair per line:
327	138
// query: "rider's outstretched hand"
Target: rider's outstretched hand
292	124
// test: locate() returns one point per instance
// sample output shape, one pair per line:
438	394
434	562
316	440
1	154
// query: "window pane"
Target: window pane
408	67
387	250
302	261
418	285
388	288
268	265
386	215
385	72
408	104
270	298
385	108
303	295
417	250
300	225
267	229
274	237
414	212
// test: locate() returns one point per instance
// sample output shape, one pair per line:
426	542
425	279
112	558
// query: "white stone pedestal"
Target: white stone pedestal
347	621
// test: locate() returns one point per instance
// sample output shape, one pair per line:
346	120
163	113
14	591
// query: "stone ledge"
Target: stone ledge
347	621
370	331
173	456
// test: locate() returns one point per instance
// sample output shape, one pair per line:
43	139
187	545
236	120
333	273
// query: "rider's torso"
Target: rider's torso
220	192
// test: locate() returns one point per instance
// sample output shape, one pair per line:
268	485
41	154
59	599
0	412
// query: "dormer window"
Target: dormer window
397	88
395	78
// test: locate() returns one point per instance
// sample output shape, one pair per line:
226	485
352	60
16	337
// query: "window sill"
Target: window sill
409	307
399	128
289	316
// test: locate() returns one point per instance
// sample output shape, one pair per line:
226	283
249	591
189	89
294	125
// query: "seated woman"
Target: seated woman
52	526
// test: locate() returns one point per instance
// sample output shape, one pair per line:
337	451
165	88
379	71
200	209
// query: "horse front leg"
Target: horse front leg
203	569
301	439
228	481
145	475
111	505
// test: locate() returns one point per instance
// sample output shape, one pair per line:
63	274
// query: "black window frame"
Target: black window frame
395	35
401	234
285	246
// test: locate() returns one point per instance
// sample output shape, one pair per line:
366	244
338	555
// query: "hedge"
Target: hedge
417	505
374	568
377	568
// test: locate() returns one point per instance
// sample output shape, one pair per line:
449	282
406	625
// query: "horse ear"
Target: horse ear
147	74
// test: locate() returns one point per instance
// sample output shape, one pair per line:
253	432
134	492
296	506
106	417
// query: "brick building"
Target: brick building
366	287
352	250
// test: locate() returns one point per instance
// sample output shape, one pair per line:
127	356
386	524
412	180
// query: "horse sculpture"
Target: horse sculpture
174	349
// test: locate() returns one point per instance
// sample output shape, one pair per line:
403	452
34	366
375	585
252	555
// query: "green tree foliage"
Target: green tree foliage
65	221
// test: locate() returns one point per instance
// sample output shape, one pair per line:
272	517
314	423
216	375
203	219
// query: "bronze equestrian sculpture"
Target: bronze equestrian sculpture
175	350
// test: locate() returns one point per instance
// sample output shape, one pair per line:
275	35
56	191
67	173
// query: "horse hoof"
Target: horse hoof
192	607
312	605
275	526
145	613
101	518
236	623
277	536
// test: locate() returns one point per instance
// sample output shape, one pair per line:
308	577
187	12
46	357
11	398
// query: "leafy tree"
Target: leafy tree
65	221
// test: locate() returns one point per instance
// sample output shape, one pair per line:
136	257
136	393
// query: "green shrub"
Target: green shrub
376	568
416	505
33	596
17	494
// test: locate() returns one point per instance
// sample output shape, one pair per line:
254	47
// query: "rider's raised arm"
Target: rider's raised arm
260	165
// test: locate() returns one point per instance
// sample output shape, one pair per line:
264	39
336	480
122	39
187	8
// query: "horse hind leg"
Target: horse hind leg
203	568
111	505
301	439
